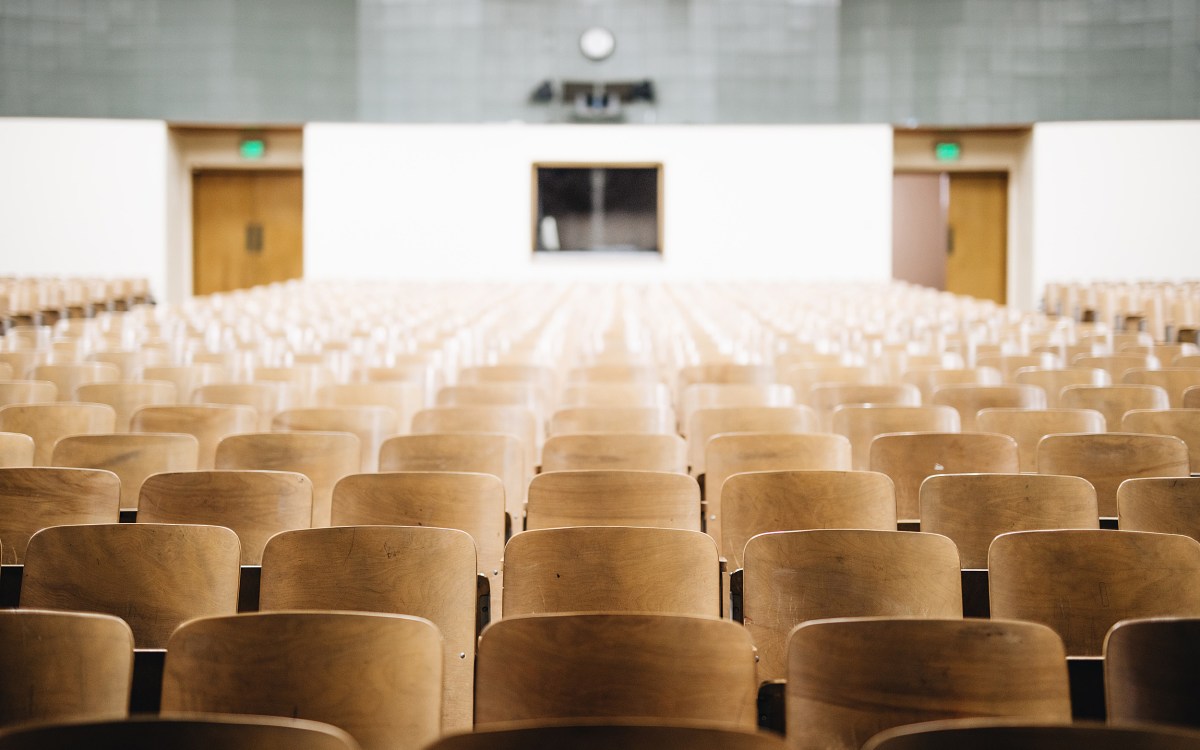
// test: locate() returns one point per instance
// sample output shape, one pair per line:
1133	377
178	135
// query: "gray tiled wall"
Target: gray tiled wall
924	62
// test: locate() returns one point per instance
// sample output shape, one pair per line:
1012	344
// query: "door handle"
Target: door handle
254	237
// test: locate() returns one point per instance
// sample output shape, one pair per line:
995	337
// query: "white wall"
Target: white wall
83	198
1116	201
396	201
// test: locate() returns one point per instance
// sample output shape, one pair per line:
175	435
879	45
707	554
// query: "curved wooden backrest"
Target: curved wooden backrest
256	505
1009	364
377	676
1113	401
614	498
528	395
370	424
909	457
928	379
187	378
1116	364
604	736
126	397
1109	459
613	569
969	399
1053	380
266	398
16	449
68	376
404	398
63	666
1019	734
1029	426
323	457
613	373
47	423
539	375
1182	423
518	421
196	732
794	576
973	509
628	451
132	457
706	423
153	576
1168	505
849	679
35	498
725	373
1082	582
861	424
650	420
1152	671
27	392
302	381
22	360
803	376
502	456
616	395
1191	397
728	395
6	371
605	665
1173	380
406	570
757	502
208	423
825	397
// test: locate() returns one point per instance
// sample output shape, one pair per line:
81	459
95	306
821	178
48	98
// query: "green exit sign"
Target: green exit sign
252	148
947	151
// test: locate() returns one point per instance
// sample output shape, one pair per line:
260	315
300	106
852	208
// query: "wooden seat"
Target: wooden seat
1082	582
68	376
616	395
153	576
543	377
1116	364
802	377
1152	671
518	421
1164	504
611	569
791	577
968	400
407	570
1113	401
1182	423
706	423
1052	381
761	501
1109	459
649	420
377	676
614	498
187	378
610	734
6	371
613	373
501	456
191	733
910	457
973	509
21	360
610	666
323	457
267	399
208	423
1018	734
725	373
736	453
1009	364
629	451
256	505
16	449
403	398
27	392
47	423
126	397
61	666
825	397
300	381
370	424
1173	380
726	395
527	395
929	379
132	457
1191	397
35	498
849	679
862	424
1029	426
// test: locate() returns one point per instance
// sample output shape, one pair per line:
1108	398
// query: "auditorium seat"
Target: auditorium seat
1182	423
1009	364
968	400
1019	734
519	421
1029	426
47	423
606	735
929	379
35	498
266	398
648	420
804	377
132	457
629	451
1113	401
406	399
705	423
16	449
614	498
27	392
194	732
861	424
1167	505
301	382
69	376
208	423
370	424
1107	460
1053	381
126	397
187	378
613	373
615	395
1152	671
725	395
1116	364
825	397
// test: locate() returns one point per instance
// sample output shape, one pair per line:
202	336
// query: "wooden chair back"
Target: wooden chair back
323	457
1018	734
610	734
852	678
616	666
370	424
730	395
518	421
612	569
616	395
528	395
208	423
722	373
61	666
973	509
614	498
187	378
147	732
825	397
266	398
910	457
1053	380
377	676
969	399
256	505
629	451
16	449
132	457
153	576
1173	380
1109	459
403	398
1116	364
1029	426
1152	671
1191	397
502	456
126	397
27	392
406	570
803	377
1009	364
47	423
1113	401
758	502
301	381
929	379
1168	505
68	376
1082	582
791	577
648	420
21	360
613	373
1182	423
35	498
706	423
862	424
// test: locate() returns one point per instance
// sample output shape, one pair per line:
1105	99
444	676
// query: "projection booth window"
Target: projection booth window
597	208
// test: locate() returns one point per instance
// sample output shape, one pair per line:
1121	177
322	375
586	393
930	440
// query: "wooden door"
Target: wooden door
977	253
247	229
